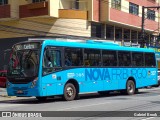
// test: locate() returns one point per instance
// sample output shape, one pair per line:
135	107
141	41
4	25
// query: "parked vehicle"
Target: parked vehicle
3	78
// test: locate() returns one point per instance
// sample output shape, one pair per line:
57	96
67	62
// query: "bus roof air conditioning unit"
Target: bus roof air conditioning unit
104	42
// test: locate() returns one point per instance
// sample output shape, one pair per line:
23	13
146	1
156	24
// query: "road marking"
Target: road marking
150	89
148	118
9	105
82	106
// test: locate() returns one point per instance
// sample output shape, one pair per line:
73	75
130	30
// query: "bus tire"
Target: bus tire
70	92
41	99
137	91
130	87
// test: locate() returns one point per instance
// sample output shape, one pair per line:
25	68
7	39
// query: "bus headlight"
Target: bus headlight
33	84
7	84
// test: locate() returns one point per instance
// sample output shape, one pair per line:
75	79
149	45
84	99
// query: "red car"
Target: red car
3	78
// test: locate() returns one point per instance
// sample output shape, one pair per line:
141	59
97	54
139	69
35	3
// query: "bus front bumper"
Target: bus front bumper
22	90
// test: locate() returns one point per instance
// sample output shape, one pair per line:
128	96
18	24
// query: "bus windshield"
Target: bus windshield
24	63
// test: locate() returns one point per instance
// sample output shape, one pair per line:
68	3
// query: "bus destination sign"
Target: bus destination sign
25	46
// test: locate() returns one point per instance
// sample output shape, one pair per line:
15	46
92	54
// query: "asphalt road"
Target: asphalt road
91	106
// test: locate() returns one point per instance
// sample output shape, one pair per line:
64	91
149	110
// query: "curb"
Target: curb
6	96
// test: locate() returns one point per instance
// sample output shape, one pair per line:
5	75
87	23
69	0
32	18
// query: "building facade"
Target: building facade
118	20
113	20
121	20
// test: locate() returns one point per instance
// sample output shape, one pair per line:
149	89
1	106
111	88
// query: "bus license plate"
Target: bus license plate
19	92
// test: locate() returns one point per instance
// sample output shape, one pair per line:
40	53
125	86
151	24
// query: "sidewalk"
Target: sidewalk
3	92
4	96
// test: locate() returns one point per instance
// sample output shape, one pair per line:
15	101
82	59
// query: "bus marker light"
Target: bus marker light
94	82
49	84
80	83
54	76
60	84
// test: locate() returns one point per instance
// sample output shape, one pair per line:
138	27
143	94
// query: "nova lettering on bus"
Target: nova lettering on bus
97	74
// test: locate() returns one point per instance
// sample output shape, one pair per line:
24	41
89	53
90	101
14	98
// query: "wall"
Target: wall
14	8
96	10
79	27
54	5
104	11
90	12
26	27
130	19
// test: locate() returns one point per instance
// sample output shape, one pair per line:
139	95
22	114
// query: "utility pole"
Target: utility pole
143	32
143	18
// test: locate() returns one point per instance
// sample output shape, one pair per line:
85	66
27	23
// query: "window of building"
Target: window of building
75	4
137	59
109	58
126	33
3	2
92	57
97	30
147	39
157	40
152	40
73	57
133	9
116	4
150	60
110	32
34	1
118	34
140	38
134	36
150	14
124	58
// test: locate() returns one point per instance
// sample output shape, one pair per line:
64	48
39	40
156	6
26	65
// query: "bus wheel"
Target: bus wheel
41	98
136	91
69	92
130	88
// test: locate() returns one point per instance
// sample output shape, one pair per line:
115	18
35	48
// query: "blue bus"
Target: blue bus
46	68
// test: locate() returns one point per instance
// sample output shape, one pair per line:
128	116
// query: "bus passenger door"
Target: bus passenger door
51	65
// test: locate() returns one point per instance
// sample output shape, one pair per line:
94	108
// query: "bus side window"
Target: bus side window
137	59
150	60
92	57
124	58
109	58
67	61
73	56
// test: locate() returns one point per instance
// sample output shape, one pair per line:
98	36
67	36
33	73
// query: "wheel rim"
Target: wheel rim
69	91
130	88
